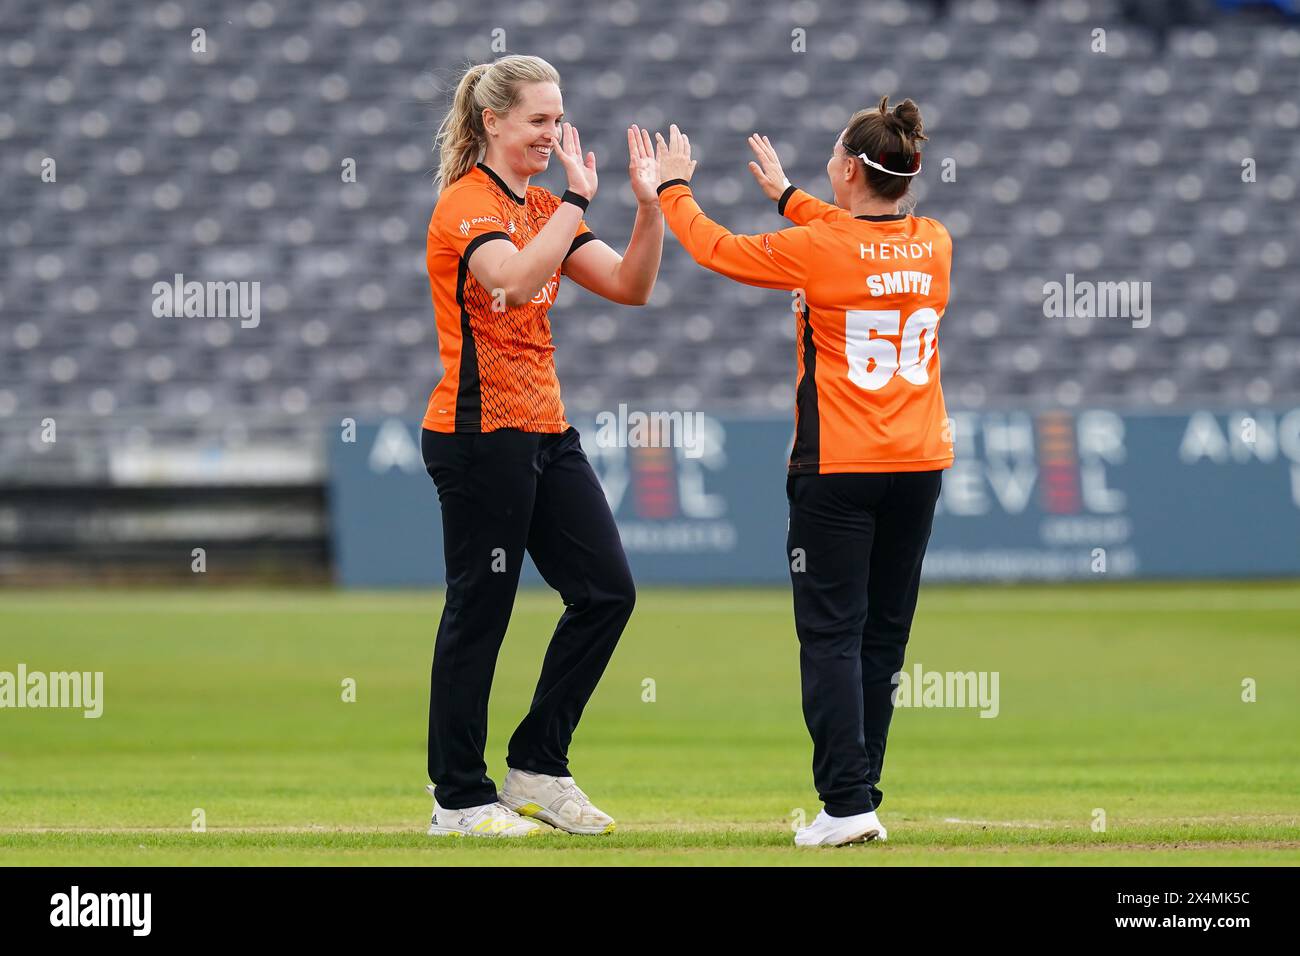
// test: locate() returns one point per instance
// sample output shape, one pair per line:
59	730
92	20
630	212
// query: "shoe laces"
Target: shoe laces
500	810
481	814
571	789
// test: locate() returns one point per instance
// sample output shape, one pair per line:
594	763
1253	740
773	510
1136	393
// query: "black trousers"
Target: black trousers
855	546
501	493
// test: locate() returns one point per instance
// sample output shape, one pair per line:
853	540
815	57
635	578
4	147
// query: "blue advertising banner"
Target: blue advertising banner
1051	495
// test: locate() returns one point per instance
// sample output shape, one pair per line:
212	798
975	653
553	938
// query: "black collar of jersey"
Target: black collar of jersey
502	183
892	217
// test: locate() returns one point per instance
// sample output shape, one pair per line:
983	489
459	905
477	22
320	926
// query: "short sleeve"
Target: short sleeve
466	218
581	238
584	234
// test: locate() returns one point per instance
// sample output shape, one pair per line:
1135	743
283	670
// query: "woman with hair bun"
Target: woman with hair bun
871	431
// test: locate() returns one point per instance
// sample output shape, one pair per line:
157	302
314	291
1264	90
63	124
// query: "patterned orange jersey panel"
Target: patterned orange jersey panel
498	363
871	291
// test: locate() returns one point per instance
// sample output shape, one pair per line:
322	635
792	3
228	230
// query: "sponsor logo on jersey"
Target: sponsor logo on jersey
467	224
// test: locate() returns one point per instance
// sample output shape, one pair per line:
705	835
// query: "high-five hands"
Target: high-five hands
674	157
642	169
674	161
582	175
767	170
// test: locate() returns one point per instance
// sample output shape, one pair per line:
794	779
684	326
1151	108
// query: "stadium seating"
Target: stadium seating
225	166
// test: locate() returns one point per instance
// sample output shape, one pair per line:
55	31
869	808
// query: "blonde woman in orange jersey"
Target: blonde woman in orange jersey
871	442
510	471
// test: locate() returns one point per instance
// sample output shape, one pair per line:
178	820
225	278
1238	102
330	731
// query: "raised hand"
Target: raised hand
767	171
642	169
582	175
674	156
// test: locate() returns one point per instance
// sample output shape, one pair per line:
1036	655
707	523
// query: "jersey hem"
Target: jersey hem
868	467
446	428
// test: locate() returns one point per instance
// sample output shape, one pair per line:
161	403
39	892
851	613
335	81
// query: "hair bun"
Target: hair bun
904	119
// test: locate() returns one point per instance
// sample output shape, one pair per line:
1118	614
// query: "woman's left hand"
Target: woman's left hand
641	167
767	170
674	156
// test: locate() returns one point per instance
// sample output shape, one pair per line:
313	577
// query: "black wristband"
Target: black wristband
579	201
672	182
785	198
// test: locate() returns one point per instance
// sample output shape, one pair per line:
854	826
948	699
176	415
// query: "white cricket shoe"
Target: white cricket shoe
554	800
488	820
827	830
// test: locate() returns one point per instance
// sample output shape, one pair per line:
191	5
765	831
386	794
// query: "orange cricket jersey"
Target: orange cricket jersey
498	366
873	288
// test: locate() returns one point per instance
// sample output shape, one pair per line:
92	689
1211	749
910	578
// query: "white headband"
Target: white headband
863	157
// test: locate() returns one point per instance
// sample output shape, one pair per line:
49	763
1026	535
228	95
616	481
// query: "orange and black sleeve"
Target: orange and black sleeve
772	260
802	208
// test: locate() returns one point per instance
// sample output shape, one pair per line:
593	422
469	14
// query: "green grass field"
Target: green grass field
1124	699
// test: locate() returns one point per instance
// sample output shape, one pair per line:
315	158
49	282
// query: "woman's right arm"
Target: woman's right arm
521	273
773	260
